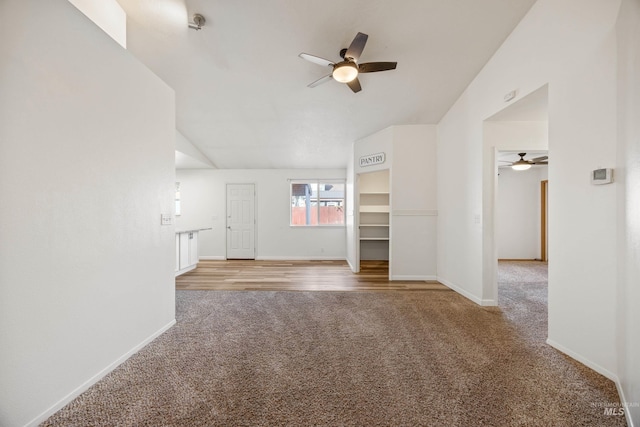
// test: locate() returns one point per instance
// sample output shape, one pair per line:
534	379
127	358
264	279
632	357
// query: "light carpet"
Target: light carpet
401	358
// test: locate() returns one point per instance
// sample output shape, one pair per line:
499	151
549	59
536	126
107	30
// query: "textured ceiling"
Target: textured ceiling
241	89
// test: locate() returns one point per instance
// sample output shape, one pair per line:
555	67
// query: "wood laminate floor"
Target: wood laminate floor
295	276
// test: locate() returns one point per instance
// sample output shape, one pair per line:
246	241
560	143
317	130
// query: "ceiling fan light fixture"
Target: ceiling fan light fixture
521	165
345	72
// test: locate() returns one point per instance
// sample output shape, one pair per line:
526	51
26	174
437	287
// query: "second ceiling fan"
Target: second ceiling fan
523	164
347	70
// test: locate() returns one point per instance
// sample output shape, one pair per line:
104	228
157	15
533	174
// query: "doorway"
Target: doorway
522	127
521	209
241	221
373	220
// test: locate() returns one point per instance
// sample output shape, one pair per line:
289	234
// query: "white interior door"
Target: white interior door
241	221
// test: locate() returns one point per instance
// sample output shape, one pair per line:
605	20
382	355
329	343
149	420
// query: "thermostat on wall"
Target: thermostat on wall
602	176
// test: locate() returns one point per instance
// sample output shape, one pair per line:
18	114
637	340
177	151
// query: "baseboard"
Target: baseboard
599	369
602	371
97	377
185	270
413	278
299	258
468	295
351	266
625	404
279	258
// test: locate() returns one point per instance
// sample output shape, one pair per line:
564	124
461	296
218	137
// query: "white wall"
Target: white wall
628	186
379	142
570	46
413	203
518	221
203	195
86	169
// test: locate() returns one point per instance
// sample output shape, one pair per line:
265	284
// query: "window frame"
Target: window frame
318	182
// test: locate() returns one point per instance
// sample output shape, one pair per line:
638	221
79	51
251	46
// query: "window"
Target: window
317	203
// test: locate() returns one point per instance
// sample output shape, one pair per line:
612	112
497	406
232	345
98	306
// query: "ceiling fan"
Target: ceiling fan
347	70
522	164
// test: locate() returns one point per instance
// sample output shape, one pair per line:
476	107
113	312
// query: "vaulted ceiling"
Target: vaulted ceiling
241	89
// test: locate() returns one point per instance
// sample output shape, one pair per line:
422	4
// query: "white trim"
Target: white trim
624	402
97	377
413	278
353	270
299	258
479	301
213	258
599	369
186	269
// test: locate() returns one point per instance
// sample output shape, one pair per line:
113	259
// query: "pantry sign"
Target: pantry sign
372	159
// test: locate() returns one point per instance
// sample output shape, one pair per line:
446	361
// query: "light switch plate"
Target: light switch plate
166	219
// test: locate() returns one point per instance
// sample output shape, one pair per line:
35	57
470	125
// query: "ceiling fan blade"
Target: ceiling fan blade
356	47
372	67
540	163
320	81
540	159
316	60
354	85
